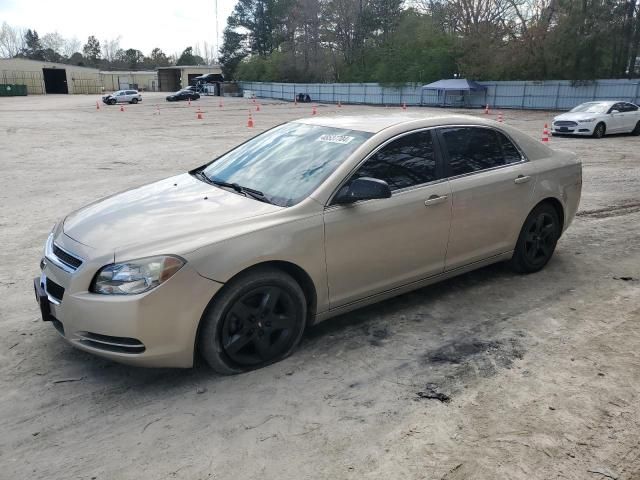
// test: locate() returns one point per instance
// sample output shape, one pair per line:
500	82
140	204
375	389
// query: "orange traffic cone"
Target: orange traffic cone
295	101
486	109
500	117
157	109
220	104
545	134
258	107
97	106
189	101
250	121
313	110
339	104
404	105
199	114
122	108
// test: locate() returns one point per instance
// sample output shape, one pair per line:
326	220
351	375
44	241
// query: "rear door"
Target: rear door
377	245
630	115
491	185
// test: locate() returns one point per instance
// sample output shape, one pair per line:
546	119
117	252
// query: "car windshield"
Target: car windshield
288	162
592	107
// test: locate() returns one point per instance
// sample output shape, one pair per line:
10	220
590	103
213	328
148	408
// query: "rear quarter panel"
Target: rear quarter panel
560	176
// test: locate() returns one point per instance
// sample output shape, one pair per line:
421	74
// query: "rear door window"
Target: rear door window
471	149
510	151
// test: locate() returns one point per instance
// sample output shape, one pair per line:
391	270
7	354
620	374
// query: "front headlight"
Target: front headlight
587	120
136	276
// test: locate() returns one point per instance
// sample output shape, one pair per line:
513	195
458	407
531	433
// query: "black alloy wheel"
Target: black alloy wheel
537	240
259	326
256	320
540	239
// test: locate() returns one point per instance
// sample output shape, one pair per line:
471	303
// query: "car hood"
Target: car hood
575	116
161	213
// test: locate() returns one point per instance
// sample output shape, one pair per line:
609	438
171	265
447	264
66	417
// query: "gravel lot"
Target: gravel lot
539	374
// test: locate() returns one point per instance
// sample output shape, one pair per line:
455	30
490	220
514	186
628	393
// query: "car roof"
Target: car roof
603	102
378	122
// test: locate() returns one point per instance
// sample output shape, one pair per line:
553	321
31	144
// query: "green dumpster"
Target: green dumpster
12	90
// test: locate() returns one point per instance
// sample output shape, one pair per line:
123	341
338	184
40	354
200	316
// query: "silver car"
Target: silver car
308	220
122	96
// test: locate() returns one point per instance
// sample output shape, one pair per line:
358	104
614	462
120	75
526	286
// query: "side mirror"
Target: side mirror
364	188
614	111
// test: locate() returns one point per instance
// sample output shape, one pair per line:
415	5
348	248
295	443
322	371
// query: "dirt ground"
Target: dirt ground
536	377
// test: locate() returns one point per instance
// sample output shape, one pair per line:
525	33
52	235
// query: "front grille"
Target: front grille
565	123
53	289
66	257
111	344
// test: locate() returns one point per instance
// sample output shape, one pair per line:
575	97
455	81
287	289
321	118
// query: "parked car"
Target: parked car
308	220
122	96
183	95
598	119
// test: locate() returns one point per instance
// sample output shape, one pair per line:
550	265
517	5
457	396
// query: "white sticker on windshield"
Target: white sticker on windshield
344	139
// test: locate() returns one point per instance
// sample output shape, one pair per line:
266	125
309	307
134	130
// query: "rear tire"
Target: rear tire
256	320
600	130
537	241
112	102
636	130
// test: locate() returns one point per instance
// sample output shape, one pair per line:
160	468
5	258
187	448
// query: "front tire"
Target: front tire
134	101
537	240
636	130
256	320
600	130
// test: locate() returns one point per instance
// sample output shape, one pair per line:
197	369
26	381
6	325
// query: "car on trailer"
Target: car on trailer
234	259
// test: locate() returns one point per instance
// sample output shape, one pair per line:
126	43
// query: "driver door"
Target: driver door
377	245
616	123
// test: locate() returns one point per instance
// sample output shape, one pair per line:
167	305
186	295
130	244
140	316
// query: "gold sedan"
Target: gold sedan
308	220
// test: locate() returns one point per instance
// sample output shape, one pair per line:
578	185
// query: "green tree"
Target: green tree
33	48
91	50
188	58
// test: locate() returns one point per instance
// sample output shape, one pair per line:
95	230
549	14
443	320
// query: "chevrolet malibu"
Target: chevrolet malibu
311	219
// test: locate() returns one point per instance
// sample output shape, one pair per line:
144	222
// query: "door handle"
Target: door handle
522	179
434	200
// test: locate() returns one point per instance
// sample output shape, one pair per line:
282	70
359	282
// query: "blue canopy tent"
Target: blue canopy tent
461	88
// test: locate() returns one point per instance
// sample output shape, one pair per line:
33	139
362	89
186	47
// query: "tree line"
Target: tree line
108	54
391	41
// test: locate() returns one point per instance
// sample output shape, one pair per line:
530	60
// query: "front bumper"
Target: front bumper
154	329
580	129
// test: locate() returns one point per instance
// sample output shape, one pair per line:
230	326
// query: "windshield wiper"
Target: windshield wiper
246	191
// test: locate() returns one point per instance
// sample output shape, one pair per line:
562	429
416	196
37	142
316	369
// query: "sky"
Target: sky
143	24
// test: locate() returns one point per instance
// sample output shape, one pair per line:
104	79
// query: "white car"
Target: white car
598	119
122	96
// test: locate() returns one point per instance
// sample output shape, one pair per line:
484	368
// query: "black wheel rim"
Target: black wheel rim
259	326
540	239
599	131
